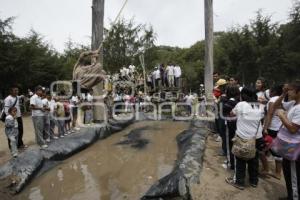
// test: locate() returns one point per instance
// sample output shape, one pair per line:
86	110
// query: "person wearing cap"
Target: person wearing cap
218	91
220	86
36	105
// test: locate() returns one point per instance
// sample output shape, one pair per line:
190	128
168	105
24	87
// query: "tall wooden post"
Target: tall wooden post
209	50
97	38
142	61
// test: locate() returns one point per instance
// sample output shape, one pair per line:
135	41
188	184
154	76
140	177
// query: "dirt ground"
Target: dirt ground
213	186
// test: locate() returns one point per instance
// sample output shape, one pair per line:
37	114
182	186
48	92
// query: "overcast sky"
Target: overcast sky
176	22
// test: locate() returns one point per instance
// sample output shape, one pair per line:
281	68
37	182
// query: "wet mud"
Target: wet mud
123	166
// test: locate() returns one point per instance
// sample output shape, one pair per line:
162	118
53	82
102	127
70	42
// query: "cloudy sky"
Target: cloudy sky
176	22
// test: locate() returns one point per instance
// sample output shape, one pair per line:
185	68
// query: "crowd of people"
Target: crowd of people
253	125
164	76
258	125
53	117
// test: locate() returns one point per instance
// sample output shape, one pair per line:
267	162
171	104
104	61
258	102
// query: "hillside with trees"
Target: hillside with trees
260	48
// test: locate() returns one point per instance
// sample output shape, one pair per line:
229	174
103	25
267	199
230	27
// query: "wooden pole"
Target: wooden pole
142	61
209	50
97	38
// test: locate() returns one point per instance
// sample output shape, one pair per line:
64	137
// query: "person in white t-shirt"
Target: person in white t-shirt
53	122
131	68
272	125
88	113
46	104
11	130
189	101
13	100
249	126
170	73
177	74
74	102
126	99
261	91
123	72
290	134
157	77
36	105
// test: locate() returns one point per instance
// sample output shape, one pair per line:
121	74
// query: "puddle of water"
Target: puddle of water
107	171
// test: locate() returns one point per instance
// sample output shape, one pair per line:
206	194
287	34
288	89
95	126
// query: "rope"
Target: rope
115	21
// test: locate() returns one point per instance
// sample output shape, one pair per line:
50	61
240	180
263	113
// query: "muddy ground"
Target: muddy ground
213	185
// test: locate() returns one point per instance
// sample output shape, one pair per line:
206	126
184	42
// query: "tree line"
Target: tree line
259	48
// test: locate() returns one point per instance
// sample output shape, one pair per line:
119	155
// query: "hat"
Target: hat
221	82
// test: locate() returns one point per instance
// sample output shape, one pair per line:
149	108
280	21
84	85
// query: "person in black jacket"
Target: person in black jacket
228	103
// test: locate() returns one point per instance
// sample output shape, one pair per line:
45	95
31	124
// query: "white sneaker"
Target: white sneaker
77	128
48	140
15	155
55	137
44	146
62	136
73	131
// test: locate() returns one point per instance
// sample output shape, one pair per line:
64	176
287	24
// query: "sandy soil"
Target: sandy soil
214	187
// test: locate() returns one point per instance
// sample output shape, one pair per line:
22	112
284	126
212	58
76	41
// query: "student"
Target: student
74	107
67	110
271	127
177	74
220	122
157	78
189	101
53	123
60	118
11	130
88	114
216	76
290	133
262	99
162	72
36	105
228	103
46	102
170	72
249	126
13	100
261	87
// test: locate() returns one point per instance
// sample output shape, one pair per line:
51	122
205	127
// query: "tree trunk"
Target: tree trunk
97	39
209	61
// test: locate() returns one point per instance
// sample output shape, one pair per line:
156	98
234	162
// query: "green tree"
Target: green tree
124	42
